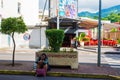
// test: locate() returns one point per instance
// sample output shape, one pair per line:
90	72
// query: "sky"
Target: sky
89	5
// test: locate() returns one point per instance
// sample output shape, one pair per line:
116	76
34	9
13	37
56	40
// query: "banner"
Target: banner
68	8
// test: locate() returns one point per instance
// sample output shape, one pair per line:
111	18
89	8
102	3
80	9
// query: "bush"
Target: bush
55	38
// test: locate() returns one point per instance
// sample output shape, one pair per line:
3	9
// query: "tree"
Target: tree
10	26
95	17
113	17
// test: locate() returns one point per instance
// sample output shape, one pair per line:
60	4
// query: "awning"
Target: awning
88	24
109	26
70	30
62	19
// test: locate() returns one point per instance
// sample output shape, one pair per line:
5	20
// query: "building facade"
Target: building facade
29	10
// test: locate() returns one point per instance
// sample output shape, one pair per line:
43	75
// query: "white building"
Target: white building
29	10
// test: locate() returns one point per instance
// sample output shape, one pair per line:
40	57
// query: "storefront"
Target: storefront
68	25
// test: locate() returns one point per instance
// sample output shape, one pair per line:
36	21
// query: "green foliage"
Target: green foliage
104	18
55	38
11	25
71	50
46	50
64	49
95	17
85	39
118	41
113	17
81	36
113	30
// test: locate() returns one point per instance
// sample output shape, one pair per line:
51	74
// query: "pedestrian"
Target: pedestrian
42	62
72	42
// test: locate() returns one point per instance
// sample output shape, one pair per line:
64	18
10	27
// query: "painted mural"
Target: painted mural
68	8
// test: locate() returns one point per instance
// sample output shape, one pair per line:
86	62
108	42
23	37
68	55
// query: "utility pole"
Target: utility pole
99	36
0	20
49	9
58	14
0	16
49	12
77	25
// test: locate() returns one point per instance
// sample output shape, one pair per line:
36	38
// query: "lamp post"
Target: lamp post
99	36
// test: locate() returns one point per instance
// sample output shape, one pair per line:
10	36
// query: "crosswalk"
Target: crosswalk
90	56
113	60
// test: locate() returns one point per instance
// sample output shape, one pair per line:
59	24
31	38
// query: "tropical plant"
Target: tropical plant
55	38
86	39
113	30
81	36
10	26
118	41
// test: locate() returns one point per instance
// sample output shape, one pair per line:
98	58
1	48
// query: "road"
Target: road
25	77
20	54
90	56
85	56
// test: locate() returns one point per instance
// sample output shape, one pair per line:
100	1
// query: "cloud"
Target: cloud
89	5
87	9
93	5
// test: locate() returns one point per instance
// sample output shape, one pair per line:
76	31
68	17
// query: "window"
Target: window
19	7
1	3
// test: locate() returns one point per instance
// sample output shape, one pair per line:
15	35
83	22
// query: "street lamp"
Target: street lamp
99	36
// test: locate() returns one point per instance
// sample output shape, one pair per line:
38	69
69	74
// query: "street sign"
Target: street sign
26	36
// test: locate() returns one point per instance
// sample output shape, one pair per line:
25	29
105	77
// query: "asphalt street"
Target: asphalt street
20	54
24	77
85	56
90	56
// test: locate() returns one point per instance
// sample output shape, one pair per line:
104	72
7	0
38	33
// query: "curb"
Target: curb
61	74
17	72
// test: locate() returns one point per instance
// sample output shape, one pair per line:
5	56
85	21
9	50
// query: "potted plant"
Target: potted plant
55	55
116	45
118	42
81	38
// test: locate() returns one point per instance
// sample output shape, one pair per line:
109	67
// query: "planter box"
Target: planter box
62	58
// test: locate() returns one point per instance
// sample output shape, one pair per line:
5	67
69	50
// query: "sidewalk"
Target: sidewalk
84	68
